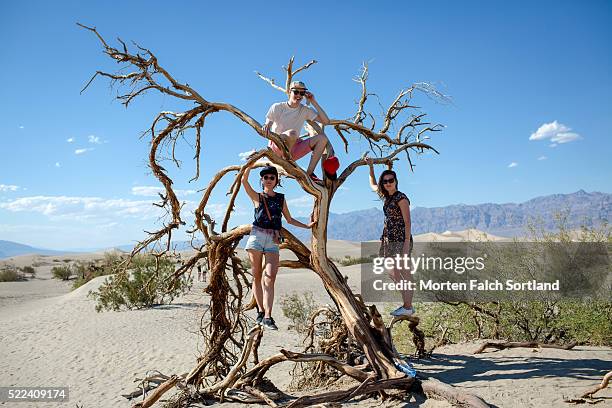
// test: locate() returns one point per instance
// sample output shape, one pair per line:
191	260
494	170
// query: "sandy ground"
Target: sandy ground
52	336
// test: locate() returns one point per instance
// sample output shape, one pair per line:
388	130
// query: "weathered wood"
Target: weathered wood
452	394
159	391
526	344
337	396
604	383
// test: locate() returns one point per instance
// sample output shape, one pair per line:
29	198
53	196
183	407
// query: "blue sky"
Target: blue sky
530	82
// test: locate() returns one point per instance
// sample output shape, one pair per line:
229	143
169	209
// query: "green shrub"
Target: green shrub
87	271
29	270
146	283
298	308
62	272
353	260
9	273
549	320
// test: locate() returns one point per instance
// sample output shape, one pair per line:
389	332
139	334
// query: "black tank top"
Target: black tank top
275	206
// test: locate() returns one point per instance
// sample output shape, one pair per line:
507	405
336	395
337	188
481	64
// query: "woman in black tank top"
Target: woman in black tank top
264	240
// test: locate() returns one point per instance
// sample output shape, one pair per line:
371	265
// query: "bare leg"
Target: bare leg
290	137
317	144
399	275
406	293
268	282
255	257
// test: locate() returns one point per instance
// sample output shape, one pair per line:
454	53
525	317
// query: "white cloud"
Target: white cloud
81	151
542	158
8	187
152	191
556	132
57	164
70	140
513	164
21	127
244	155
565	137
83	208
146	191
301	202
94	139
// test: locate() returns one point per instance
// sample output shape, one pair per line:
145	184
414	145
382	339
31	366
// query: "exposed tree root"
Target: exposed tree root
455	396
526	344
366	387
157	393
588	395
604	383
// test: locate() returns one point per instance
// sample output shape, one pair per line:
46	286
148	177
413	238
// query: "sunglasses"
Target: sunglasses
269	178
296	92
388	181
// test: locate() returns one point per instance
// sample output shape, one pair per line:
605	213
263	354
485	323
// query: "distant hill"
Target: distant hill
506	220
9	248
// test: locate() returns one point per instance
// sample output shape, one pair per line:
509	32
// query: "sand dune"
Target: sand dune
52	336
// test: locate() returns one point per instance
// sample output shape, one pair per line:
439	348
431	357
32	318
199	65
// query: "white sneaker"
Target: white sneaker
402	311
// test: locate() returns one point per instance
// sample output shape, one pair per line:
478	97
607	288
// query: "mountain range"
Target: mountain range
510	219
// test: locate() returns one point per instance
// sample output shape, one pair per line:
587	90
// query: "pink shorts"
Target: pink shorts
300	149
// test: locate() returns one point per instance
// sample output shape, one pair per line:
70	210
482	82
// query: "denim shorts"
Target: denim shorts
261	240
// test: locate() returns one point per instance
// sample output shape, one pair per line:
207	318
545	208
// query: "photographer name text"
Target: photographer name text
471	285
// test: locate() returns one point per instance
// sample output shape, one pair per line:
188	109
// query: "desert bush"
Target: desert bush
551	319
572	320
146	283
62	272
85	272
9	273
298	308
28	270
353	260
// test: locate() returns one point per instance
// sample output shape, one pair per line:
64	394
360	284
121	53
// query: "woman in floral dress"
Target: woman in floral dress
396	236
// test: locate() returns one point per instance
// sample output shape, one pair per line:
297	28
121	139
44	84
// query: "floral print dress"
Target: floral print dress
394	231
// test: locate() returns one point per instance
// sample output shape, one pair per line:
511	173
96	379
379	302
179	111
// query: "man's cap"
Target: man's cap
269	170
297	85
331	166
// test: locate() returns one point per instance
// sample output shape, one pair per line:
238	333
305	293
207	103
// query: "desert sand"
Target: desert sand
52	336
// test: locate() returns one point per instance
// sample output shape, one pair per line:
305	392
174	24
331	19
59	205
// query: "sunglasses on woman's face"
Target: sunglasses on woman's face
389	180
269	178
296	92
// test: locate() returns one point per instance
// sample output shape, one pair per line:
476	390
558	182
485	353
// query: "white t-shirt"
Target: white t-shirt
286	118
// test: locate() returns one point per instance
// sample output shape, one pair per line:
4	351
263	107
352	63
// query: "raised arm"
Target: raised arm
247	187
293	221
322	117
373	184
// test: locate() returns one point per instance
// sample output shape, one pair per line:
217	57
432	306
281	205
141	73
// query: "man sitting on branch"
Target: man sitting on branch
287	119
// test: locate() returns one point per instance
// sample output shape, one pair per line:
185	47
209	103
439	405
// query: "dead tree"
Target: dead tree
223	372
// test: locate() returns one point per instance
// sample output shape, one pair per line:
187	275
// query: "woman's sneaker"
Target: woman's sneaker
269	323
402	311
260	316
